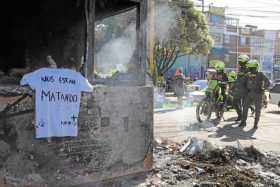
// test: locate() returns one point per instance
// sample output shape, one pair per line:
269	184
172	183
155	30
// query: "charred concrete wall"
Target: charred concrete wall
115	139
59	30
115	125
34	29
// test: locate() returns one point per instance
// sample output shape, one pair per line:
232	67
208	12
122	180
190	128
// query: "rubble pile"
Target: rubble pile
198	163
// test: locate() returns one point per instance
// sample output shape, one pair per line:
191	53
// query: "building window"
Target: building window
115	44
247	41
227	38
242	41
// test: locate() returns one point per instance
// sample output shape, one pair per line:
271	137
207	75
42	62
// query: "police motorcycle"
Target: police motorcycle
214	101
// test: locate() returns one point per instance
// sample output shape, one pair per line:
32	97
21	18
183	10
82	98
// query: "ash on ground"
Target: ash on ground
197	163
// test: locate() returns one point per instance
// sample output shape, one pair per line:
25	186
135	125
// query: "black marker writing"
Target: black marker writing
58	96
48	79
68	123
65	80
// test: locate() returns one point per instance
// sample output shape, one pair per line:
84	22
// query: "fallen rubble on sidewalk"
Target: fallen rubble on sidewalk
198	163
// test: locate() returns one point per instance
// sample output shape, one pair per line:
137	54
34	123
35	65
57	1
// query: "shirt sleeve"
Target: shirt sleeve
29	79
85	86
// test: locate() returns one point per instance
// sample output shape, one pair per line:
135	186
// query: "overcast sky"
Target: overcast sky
263	13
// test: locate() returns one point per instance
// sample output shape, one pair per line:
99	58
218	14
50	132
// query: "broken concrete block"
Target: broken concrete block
18	72
194	146
161	141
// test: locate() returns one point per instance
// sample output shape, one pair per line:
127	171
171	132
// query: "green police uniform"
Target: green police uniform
240	91
256	83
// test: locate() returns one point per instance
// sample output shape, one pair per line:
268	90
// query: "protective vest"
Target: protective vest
256	83
240	84
252	83
213	86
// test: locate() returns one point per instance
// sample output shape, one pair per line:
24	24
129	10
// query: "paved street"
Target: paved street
178	125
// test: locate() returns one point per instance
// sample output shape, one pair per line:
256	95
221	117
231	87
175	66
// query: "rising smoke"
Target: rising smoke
118	52
165	20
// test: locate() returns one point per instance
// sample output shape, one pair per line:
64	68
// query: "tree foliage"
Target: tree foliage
191	32
189	35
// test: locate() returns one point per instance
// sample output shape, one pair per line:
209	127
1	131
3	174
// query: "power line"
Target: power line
258	18
254	16
262	4
247	9
258	11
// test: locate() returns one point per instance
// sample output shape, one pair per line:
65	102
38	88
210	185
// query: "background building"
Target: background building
257	45
263	44
231	41
276	65
268	54
216	21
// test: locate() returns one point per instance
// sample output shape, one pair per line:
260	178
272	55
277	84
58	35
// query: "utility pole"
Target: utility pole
237	41
202	1
209	8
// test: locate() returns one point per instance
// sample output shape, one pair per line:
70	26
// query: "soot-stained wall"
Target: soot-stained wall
115	125
31	30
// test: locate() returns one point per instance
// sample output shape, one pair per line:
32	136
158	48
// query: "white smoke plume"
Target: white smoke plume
165	19
117	53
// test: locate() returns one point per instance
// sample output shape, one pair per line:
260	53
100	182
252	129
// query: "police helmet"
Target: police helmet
219	66
243	60
252	65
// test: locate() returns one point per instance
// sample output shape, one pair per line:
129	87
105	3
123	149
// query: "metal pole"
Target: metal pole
237	41
202	1
185	69
189	66
209	8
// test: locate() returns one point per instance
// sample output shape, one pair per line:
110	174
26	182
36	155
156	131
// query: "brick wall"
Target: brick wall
115	138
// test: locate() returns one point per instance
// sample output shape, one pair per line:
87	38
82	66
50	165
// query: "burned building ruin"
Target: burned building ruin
115	123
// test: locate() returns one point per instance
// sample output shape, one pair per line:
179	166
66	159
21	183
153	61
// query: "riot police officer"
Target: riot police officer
240	91
221	76
256	83
218	76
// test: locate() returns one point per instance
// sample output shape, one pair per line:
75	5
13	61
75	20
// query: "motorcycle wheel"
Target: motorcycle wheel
203	110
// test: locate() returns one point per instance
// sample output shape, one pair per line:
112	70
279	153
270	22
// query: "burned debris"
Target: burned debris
211	167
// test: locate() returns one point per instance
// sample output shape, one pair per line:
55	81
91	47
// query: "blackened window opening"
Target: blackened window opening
12	46
31	30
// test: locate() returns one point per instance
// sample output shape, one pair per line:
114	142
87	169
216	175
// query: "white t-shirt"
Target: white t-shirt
58	94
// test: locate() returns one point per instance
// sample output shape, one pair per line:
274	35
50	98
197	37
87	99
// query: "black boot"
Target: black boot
255	124
238	118
242	124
